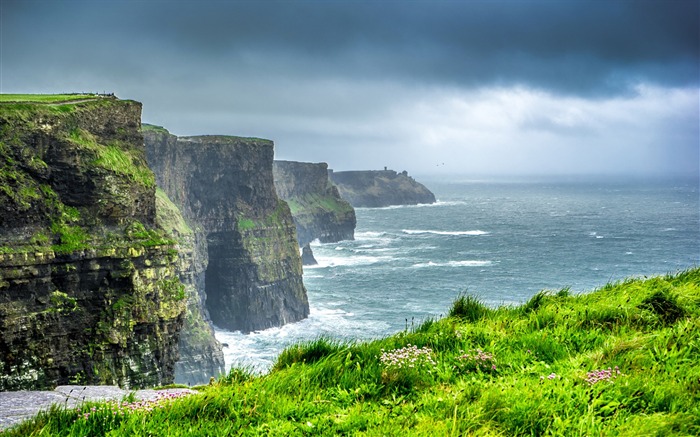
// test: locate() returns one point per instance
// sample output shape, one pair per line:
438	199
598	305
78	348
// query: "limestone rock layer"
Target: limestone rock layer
88	288
317	208
224	187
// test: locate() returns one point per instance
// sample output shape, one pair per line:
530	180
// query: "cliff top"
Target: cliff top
224	139
49	98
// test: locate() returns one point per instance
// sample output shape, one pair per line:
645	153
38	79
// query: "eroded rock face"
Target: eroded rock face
378	188
307	256
317	208
88	289
201	355
224	187
107	316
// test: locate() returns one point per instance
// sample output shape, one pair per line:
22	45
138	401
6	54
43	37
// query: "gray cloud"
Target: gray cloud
332	80
574	47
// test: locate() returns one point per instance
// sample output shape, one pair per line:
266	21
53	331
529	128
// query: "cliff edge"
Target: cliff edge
317	208
88	289
224	187
378	188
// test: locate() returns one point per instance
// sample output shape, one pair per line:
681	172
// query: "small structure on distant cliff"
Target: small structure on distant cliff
378	188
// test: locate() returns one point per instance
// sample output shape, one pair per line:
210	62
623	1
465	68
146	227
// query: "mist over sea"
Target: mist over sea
502	241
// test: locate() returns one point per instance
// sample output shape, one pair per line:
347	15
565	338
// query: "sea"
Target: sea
500	240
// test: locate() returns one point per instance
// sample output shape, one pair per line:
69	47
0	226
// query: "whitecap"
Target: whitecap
465	263
434	232
353	260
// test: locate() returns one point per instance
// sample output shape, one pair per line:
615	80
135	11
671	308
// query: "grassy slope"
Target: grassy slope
529	379
44	98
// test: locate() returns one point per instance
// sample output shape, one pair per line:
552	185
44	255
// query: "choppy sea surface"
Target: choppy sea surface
502	241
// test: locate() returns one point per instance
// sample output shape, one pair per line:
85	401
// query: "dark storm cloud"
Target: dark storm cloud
573	47
483	86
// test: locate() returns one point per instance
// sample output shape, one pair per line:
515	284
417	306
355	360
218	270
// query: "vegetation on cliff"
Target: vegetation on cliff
378	188
88	291
619	361
316	206
223	185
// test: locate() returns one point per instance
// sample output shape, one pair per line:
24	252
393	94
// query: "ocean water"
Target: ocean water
501	241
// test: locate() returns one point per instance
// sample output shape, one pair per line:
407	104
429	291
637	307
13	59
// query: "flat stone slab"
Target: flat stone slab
16	406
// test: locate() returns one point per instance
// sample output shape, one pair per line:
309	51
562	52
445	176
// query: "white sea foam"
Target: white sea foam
325	261
258	350
438	203
429	231
368	235
466	263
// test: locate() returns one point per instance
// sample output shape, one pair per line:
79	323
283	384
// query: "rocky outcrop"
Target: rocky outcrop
88	288
317	208
201	355
378	188
307	256
224	187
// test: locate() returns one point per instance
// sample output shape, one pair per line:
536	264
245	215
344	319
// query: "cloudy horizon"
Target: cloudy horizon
440	87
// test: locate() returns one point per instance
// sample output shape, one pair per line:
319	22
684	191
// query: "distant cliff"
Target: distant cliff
317	208
88	289
377	188
201	355
224	187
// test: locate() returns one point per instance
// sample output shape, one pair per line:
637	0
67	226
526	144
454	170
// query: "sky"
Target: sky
466	87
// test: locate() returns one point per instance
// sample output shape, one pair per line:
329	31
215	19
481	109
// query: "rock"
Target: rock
379	188
201	355
88	288
318	211
224	187
307	256
18	406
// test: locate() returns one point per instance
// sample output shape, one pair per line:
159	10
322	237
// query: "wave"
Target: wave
368	235
438	203
353	260
466	263
258	350
427	231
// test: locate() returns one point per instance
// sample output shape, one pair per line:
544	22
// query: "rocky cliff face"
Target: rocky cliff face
317	208
224	187
88	290
201	355
378	188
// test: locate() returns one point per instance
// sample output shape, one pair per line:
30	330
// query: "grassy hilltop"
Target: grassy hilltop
623	360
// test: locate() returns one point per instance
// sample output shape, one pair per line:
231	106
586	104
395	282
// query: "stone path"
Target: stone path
16	406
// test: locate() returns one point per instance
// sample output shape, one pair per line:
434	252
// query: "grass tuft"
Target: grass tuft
468	308
665	306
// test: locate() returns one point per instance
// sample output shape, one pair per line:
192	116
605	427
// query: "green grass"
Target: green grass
44	98
506	371
114	158
154	128
304	208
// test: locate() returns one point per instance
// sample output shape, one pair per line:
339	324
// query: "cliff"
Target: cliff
317	208
224	188
378	188
201	355
88	289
